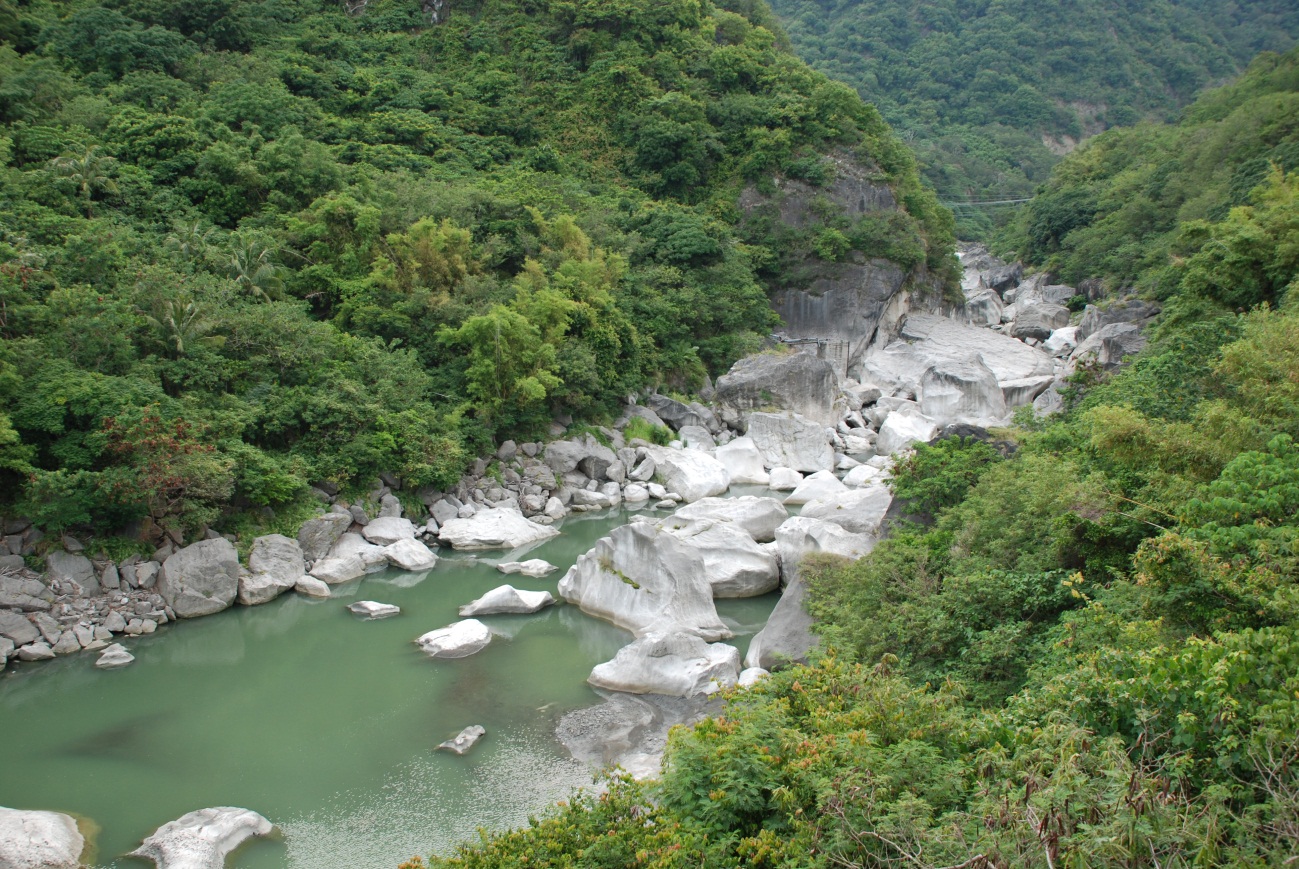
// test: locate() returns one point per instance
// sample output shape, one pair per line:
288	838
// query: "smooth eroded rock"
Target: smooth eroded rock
645	580
788	440
372	609
409	554
676	664
860	511
39	840
113	657
496	528
534	567
202	839
757	516
387	530
743	461
464	740
508	599
459	640
692	474
201	579
734	564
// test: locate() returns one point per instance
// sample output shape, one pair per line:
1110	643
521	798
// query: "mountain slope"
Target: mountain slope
990	93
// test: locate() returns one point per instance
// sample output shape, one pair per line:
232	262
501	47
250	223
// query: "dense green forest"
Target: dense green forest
989	93
246	245
1090	656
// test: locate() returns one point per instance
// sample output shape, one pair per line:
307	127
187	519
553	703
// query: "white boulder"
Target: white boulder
534	567
801	536
756	516
859	511
865	475
311	587
112	657
784	480
901	429
676	664
410	554
743	461
647	581
202	839
822	484
372	556
788	440
372	609
508	599
335	570
464	740
734	564
962	391
692	474
387	530
39	840
496	528
459	640
201	579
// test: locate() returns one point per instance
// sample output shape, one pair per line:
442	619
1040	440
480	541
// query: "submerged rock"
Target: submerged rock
508	599
39	840
372	609
459	640
677	664
114	656
464	740
534	567
202	839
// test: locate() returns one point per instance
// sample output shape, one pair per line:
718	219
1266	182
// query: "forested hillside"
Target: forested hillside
990	93
1089	654
250	244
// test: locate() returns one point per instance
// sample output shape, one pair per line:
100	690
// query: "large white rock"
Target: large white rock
962	391
317	536
410	554
859	511
1062	341
372	609
902	429
311	587
787	637
201	579
787	440
798	382
676	664
928	339
372	557
458	640
508	599
865	475
801	536
497	528
111	658
692	474
39	840
274	565
734	564
387	530
756	516
784	480
822	484
534	567
743	461
645	580
344	568
202	839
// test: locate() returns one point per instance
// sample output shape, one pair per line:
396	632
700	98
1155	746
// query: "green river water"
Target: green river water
321	721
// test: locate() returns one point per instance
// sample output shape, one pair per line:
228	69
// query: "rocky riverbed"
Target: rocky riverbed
819	439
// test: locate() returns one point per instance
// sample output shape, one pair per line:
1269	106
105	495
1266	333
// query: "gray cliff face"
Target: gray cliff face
859	301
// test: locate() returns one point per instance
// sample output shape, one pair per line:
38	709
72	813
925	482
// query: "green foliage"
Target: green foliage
938	475
639	427
990	93
339	245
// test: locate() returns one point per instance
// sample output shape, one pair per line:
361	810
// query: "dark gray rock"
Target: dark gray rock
1125	311
65	567
17	628
29	595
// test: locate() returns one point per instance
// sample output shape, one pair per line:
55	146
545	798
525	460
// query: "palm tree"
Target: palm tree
190	241
89	171
183	323
252	265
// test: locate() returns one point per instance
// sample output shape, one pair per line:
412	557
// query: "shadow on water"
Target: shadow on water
125	740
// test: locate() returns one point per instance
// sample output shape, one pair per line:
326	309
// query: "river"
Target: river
321	721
